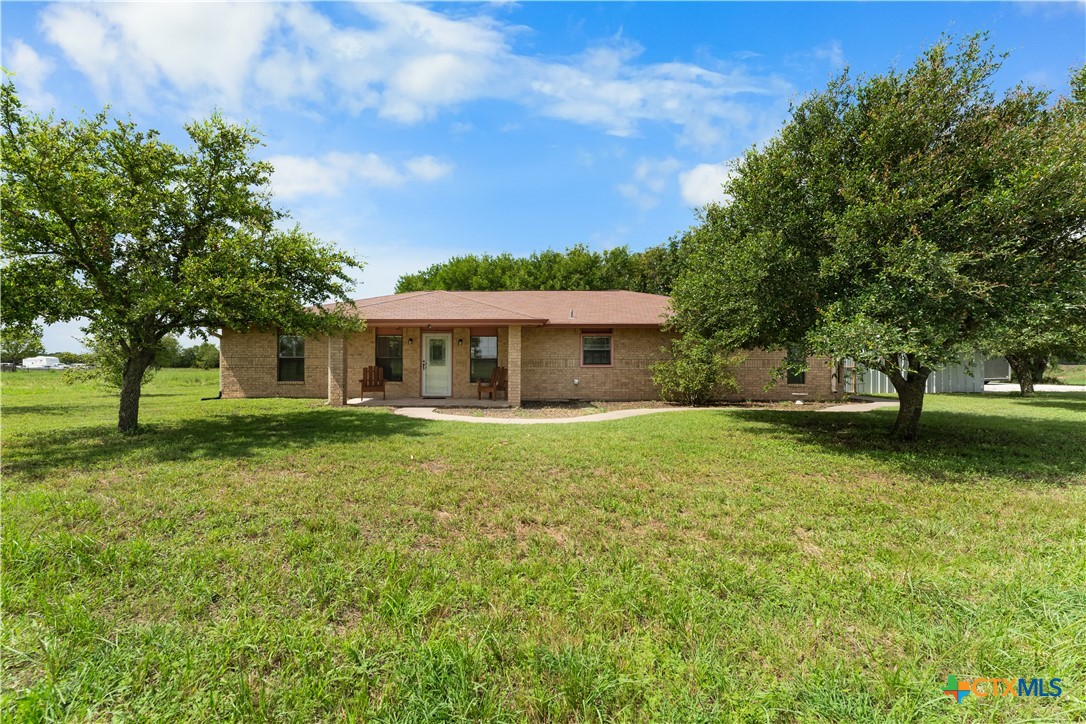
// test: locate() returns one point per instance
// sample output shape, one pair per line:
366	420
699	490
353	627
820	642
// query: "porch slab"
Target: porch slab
425	402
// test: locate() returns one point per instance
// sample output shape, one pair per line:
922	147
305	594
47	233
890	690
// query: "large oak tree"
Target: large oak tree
1044	315
143	239
901	220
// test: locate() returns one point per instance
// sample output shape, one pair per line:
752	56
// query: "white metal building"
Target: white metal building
967	376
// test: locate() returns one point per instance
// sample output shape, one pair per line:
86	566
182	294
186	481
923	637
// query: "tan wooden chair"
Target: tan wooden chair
373	380
498	382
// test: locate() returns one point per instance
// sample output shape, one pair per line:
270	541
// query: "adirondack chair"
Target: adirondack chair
373	380
499	381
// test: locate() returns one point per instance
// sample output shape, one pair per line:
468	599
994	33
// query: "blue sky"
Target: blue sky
411	133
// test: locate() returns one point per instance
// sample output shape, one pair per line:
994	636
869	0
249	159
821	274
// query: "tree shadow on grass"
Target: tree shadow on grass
953	447
45	410
78	402
229	435
1060	400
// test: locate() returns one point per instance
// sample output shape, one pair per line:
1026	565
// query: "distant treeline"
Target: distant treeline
170	353
577	268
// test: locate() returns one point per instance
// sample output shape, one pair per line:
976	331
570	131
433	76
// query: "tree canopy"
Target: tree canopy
1046	317
898	219
577	268
19	341
143	239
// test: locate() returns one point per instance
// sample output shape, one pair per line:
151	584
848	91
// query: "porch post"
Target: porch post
337	371
514	366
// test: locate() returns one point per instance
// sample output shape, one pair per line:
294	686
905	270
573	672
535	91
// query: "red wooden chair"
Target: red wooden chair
498	382
373	380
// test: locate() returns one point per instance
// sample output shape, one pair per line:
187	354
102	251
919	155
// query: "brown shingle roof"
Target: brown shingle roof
565	309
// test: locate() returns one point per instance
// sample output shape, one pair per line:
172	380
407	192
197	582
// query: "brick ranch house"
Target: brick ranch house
555	345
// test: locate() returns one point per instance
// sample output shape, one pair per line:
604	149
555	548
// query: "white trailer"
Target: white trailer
43	362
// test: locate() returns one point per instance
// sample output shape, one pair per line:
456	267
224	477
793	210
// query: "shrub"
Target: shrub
699	371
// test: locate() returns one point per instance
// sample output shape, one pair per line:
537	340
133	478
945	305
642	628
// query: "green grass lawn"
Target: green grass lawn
1069	374
278	559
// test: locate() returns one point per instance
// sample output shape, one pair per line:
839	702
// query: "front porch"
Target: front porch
428	365
425	402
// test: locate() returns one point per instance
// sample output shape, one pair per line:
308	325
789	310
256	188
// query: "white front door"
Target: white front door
436	365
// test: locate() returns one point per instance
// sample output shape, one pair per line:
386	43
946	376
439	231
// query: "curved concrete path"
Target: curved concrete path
429	413
861	406
1013	387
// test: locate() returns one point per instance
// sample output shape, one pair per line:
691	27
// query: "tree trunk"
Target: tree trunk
1037	369
1028	368
910	395
131	385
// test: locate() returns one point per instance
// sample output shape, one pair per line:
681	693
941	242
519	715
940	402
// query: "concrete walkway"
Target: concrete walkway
861	406
1013	387
429	413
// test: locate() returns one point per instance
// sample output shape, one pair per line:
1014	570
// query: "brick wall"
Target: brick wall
549	359
757	370
250	366
361	352
360	349
551	365
461	363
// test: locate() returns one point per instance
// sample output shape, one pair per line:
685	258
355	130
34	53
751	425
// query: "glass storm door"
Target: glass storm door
436	365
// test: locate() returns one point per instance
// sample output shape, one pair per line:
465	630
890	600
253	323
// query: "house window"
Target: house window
484	358
596	350
291	358
390	356
796	359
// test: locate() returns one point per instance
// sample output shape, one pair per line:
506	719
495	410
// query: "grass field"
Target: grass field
275	559
1069	374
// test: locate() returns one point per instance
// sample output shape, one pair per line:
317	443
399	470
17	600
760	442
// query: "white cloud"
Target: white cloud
702	183
428	168
424	84
129	48
332	173
831	52
404	62
605	87
1049	10
650	179
31	71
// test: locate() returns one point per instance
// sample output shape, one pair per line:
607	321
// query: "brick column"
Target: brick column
461	363
412	362
514	366
337	371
